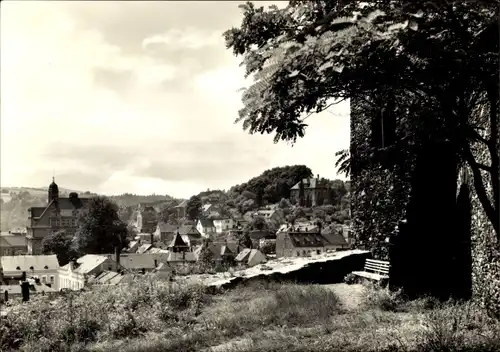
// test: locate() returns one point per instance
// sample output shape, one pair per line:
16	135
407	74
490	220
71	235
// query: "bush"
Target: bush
351	279
459	327
377	297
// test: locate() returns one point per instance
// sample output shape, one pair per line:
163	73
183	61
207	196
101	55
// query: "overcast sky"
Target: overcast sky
136	97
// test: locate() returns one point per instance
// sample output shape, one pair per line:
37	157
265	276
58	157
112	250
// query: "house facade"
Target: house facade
59	214
315	191
165	232
300	242
206	227
181	209
13	244
42	267
223	224
75	275
192	234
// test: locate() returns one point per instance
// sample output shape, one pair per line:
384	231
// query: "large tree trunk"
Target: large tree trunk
425	259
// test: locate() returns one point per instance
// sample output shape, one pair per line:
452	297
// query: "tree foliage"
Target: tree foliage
193	208
433	64
101	230
61	244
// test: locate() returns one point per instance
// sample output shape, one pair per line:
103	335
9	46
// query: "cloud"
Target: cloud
82	95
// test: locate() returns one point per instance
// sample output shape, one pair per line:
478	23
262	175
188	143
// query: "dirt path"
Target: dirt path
350	295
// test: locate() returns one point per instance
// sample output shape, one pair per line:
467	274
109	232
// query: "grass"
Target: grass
153	316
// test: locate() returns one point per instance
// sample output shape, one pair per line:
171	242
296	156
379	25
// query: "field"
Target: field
153	316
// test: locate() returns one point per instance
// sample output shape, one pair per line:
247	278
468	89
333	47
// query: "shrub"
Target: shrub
459	327
350	279
377	297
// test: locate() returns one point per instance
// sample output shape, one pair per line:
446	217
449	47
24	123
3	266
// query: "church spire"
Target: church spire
53	191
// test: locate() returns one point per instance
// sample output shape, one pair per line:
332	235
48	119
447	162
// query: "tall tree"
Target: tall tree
59	243
193	208
101	230
438	70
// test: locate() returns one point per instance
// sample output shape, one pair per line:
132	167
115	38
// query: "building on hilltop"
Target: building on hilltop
315	191
60	213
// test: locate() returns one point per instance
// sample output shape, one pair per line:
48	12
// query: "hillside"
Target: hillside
15	202
270	187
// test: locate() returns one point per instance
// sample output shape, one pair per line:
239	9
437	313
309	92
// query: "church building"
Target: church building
60	213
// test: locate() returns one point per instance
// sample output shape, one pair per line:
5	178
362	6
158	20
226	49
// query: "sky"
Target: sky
136	97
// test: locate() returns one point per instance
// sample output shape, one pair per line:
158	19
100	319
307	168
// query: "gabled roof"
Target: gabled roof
226	251
310	183
137	261
189	230
177	241
334	238
4	242
181	257
243	255
63	204
144	248
164	227
183	204
257	234
112	278
87	263
25	262
307	239
206	223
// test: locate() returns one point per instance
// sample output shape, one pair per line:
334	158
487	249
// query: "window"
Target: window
44	279
384	125
51	279
298	253
318	251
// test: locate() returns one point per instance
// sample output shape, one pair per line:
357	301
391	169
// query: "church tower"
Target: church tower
53	191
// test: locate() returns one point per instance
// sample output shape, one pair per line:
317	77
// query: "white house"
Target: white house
43	267
206	227
222	225
75	275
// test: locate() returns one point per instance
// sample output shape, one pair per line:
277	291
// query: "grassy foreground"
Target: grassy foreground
152	316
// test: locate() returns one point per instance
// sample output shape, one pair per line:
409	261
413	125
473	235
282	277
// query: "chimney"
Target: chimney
117	254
